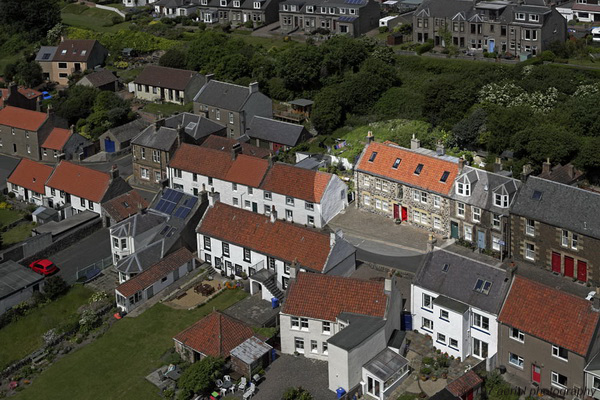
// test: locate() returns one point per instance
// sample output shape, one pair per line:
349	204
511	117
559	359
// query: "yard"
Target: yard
167	109
17	234
98	20
25	335
114	366
257	40
7	216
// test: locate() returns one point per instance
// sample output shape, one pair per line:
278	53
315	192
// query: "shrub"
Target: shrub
296	393
249	24
425	371
116	19
11	195
547	55
55	286
383	29
427	360
425	47
200	377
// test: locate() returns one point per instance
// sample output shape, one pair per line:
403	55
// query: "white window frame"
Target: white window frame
460	209
529	227
426	324
427	301
554	380
326	328
437	200
516	334
530	253
476	214
520	362
556	353
299	345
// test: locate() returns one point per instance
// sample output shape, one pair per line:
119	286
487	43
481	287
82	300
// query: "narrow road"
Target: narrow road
384	254
91	249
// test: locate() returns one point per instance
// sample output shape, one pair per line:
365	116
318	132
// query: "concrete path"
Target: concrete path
267	31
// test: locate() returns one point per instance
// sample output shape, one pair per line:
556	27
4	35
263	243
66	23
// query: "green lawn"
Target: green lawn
8	216
114	366
98	20
25	335
167	109
17	234
255	40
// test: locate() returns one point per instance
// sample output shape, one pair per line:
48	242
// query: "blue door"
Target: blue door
481	239
109	145
491	45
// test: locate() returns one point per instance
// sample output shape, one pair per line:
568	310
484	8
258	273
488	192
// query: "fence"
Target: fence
115	10
98	265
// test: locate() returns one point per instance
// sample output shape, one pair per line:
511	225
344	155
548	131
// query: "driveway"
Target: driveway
7	164
83	253
289	371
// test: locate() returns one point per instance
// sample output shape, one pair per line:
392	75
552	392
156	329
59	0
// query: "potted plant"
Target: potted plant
397	221
427	360
444	373
434	376
244	276
425	373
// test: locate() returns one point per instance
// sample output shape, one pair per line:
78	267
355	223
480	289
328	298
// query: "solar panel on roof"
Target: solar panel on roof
185	212
168	193
160	204
191	202
177	212
170	207
176	196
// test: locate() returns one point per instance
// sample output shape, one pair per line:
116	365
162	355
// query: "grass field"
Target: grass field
255	40
17	234
8	216
167	109
91	18
25	335
114	366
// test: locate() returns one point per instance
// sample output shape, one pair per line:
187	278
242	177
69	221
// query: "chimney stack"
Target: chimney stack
159	122
213	197
270	160
209	77
498	165
49	109
414	143
72	129
294	269
370	137
114	172
332	238
439	149
461	164
546	166
236	150
273	214
253	87
526	171
13	88
511	270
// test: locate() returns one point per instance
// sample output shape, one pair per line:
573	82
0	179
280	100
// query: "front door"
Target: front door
26	191
254	207
536	374
569	266
491	45
396	211
582	271
481	239
556	262
404	214
150	292
454	230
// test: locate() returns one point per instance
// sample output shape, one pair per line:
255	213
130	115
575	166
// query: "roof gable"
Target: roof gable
201	160
223	95
300	183
30	175
79	181
170	78
57	139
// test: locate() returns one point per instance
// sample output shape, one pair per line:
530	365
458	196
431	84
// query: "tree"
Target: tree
328	114
300	67
26	73
173	58
466	132
200	377
296	393
76	103
55	286
33	18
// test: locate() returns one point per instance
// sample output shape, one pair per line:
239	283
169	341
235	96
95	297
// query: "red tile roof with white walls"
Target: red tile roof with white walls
30	175
296	182
79	181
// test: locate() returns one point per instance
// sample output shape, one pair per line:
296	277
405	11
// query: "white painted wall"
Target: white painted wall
33	197
334	200
58	200
314	332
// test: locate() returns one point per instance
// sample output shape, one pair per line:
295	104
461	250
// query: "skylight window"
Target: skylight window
418	169
64	52
83	52
444	177
396	163
373	155
537	195
445	267
483	286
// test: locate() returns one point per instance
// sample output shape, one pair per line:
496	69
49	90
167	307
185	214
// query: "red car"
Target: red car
44	267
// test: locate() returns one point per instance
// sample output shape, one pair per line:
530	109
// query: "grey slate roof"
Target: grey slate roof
559	205
196	126
129	130
594	365
101	78
275	131
484	185
46	53
458	283
447	302
143	259
223	95
302	102
162	138
340	251
137	224
359	329
16	277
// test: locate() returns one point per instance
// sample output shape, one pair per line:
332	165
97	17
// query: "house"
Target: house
588	11
21	97
162	84
348	323
65	144
175	8
296	111
498	26
102	80
251	356
297	195
227	144
237	12
137	290
195	128
456	301
547	336
232	105
17	285
240	242
69	57
123	207
276	135
353	18
567	174
22	131
412	185
479	212
27	180
119	138
137	3
555	226
166	225
152	150
74	188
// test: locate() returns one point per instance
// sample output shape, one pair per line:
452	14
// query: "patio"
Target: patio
192	296
254	311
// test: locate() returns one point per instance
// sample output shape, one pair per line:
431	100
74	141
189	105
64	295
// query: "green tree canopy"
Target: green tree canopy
200	377
33	18
296	393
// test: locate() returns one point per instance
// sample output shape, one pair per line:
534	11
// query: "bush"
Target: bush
249	24
116	19
425	47
383	29
296	393
55	286
548	55
200	377
11	195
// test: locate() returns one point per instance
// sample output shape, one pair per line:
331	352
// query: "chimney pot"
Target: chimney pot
236	149
414	143
461	163
439	149
370	137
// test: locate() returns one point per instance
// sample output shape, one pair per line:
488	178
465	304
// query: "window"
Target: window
225	249
234	187
468	233
453	343
424	197
257	5
517	335
496	243
565	238
210	181
289	215
427	301
496	221
377	184
463	189
396	163
123	243
444	314
501	200
310	9
480	348
90	205
482	286
295	323
82	202
115	243
558	380
479	321
515	360
177	173
267	210
156	156
366	200
313	346
310	220
378	204
437	201
596	383
326	328
299	345
304	324
247	255
53	192
560	352
143	153
217	111
289	201
441	338
309	206
574	238
352	11
145	174
437	223
476	214
268	196
529	251
419	169
460	209
231	118
286	268
520	16
250	190
62	65
444	177
285	7
206	243
28	149
426	324
373	155
416	195
325	348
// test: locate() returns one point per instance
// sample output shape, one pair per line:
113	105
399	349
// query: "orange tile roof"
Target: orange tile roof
326	296
125	205
281	240
153	274
57	139
428	179
215	335
27	92
247	170
464	384
79	181
550	314
296	182
30	175
21	118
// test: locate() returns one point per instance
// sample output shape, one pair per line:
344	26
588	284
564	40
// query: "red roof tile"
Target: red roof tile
247	170
57	139
296	182
153	274
225	144
21	118
30	175
125	205
279	239
464	384
215	335
550	314
428	179
326	296
79	181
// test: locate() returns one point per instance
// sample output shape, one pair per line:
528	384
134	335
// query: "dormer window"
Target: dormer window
323	10
396	163
223	3
534	18
236	3
501	200
204	2
419	169
63	52
342	11
257	5
352	11
286	7
310	9
520	16
331	10
83	52
373	155
463	189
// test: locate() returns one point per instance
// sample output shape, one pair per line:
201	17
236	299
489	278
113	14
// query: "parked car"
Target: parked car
44	267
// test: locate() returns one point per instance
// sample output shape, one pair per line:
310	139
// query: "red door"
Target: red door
536	374
569	266
582	271
404	214
556	262
469	395
396	211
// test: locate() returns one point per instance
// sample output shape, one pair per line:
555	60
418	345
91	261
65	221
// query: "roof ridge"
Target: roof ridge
495	266
278	121
564	184
562	292
402	148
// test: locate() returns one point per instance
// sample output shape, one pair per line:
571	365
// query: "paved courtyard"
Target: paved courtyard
288	371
